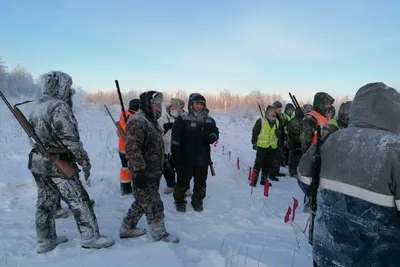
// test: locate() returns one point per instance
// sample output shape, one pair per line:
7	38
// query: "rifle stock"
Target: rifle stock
68	169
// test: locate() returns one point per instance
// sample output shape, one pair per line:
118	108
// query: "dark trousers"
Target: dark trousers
294	159
265	161
277	162
169	171
184	175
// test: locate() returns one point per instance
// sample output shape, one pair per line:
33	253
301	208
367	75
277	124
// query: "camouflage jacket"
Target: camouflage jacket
54	123
309	123
144	145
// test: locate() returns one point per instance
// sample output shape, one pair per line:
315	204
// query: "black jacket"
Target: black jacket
190	144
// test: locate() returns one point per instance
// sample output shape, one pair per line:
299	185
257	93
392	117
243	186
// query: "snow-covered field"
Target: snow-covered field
236	228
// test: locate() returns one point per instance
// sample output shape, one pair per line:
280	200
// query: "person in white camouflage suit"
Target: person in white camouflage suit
54	122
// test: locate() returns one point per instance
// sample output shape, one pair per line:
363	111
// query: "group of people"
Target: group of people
281	138
175	144
357	219
358	198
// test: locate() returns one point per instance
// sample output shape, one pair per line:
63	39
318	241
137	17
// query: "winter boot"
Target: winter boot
197	206
274	178
126	189
48	245
159	233
98	242
61	213
180	207
188	193
125	232
168	190
280	174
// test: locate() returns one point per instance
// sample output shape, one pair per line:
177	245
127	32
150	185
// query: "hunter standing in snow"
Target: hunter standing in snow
318	116
192	134
124	175
357	220
174	109
145	155
54	122
264	138
288	115
275	172
293	142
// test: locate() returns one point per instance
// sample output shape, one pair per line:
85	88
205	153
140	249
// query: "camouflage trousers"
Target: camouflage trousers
147	202
74	194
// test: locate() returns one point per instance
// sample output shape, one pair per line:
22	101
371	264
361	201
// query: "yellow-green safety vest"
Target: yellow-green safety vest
267	137
333	122
289	117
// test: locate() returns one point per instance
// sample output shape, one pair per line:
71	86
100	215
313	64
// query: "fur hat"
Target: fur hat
277	104
134	104
270	108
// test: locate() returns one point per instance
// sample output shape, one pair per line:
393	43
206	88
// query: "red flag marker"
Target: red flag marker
266	188
287	216
295	205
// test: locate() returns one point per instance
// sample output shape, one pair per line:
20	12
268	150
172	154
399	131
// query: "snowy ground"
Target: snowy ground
235	228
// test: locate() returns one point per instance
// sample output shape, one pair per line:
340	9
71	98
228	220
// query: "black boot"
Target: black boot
180	207
274	178
126	188
280	174
197	206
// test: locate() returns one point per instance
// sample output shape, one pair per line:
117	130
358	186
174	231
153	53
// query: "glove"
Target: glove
140	180
168	126
86	170
255	147
212	137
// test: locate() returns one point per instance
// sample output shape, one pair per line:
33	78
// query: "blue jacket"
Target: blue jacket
357	219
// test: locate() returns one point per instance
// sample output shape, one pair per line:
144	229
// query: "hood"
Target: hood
147	100
134	104
344	110
376	105
57	84
289	106
196	97
180	104
320	100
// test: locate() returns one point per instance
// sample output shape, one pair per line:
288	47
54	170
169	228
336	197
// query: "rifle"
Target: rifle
296	105
316	170
120	100
117	125
68	169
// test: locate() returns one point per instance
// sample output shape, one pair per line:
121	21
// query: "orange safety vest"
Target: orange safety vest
321	121
122	123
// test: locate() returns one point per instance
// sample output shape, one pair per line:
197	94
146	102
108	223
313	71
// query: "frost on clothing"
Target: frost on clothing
144	144
54	123
165	119
357	220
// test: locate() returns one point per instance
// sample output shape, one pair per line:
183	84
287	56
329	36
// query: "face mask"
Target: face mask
174	113
158	114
